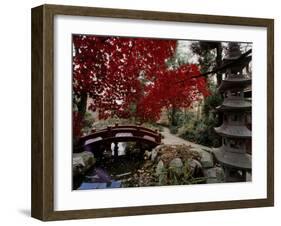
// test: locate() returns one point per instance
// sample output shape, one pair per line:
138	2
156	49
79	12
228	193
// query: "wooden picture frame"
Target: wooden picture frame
43	108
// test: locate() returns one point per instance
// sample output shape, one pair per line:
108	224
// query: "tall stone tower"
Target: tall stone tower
233	154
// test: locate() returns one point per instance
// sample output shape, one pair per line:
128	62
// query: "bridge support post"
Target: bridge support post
115	150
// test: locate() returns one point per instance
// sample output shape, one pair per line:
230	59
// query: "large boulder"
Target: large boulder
81	162
206	157
160	168
147	154
161	173
177	166
196	168
154	153
214	175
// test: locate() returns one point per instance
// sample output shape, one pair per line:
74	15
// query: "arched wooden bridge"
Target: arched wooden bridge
116	134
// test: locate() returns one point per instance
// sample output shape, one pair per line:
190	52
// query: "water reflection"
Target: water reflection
99	177
121	148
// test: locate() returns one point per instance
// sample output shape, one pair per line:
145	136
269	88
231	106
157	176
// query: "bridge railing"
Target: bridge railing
130	132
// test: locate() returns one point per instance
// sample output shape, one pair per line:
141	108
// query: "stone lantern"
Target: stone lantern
233	154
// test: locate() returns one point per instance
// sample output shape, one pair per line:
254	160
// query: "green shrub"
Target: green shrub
201	132
211	102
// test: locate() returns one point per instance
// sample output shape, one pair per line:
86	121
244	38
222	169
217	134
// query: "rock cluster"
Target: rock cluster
170	165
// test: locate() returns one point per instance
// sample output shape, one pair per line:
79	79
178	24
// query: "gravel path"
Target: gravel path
173	139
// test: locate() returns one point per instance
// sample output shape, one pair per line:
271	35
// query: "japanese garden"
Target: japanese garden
160	112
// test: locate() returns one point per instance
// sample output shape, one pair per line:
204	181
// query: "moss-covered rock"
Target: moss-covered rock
81	162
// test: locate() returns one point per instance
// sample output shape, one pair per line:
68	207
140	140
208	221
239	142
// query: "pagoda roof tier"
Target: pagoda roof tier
230	58
235	131
233	159
235	104
232	83
237	77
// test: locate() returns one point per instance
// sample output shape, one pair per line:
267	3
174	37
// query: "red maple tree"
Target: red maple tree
172	89
107	69
117	72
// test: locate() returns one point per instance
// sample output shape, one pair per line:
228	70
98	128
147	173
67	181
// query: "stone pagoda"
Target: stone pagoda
234	155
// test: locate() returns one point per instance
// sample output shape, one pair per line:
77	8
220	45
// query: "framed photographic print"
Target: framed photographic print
141	112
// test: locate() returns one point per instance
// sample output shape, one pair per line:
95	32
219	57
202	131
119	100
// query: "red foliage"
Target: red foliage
172	88
108	69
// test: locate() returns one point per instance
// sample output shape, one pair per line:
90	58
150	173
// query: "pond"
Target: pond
112	173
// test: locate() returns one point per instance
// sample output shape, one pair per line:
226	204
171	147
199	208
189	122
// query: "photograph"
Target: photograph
138	112
160	112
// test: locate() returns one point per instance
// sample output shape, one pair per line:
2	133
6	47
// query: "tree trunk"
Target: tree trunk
219	63
199	109
219	75
173	119
82	104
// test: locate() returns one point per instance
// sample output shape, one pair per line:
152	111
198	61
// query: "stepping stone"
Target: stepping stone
115	184
87	186
102	185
